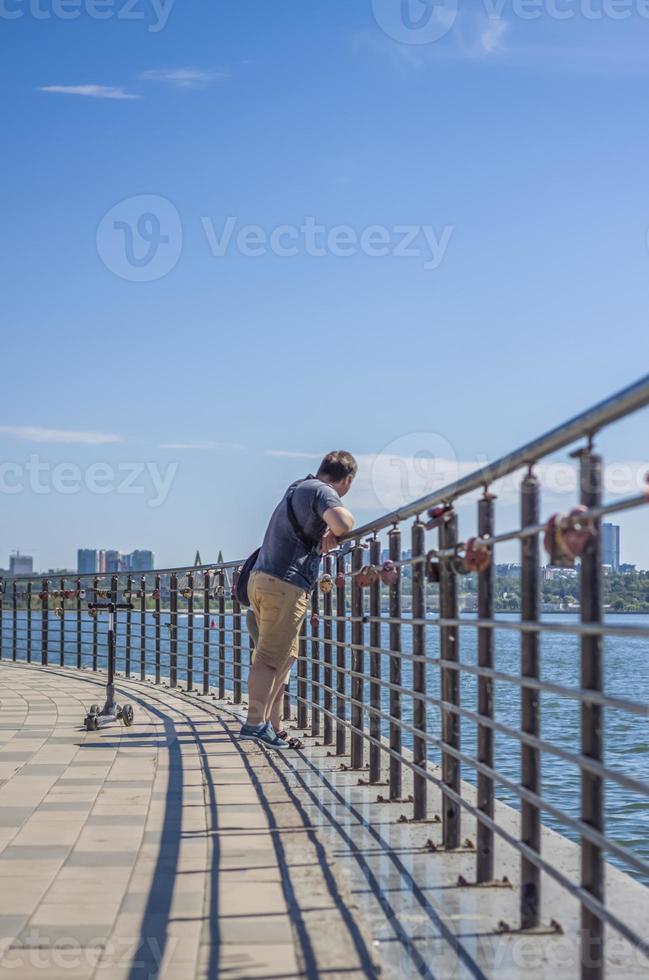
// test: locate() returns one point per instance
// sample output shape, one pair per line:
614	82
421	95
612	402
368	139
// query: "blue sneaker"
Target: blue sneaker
265	734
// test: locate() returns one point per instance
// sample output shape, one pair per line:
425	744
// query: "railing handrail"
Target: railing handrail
587	423
176	569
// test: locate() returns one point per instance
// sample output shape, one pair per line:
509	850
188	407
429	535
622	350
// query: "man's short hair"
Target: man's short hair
337	465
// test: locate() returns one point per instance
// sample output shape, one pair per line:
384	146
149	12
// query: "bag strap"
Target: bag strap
307	542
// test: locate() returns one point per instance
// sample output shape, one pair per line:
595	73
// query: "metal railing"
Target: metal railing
381	676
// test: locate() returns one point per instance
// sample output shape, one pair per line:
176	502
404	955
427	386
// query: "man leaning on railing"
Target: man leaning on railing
305	524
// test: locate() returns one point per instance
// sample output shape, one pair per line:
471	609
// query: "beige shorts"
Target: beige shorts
279	609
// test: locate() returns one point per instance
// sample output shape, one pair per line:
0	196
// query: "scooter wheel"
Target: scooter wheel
91	723
127	715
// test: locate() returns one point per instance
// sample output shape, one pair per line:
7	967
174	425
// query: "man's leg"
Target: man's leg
261	680
274	715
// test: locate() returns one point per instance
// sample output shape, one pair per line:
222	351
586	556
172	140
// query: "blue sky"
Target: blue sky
508	154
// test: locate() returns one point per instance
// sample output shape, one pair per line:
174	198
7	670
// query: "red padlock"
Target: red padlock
43	596
477	556
437	515
155	594
389	573
367	576
340	580
577	534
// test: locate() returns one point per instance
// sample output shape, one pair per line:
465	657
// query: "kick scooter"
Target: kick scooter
111	712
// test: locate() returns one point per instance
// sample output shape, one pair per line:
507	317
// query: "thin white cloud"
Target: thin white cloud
492	35
91	91
289	454
184	77
224	446
36	434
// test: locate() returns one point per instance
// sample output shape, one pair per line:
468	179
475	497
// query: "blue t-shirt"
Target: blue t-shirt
282	553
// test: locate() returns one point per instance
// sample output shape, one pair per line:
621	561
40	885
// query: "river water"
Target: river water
626	676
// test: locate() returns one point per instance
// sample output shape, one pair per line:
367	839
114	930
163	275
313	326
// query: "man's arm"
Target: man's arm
339	520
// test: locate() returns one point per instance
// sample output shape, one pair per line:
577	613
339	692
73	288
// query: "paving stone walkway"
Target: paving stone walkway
168	849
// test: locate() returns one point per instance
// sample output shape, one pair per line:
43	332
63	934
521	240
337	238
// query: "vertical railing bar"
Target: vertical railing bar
2	615
206	632
592	724
62	623
156	602
173	630
302	677
14	621
79	624
375	666
485	747
341	591
113	598
28	604
328	655
190	633
530	897
394	538
45	607
143	628
420	751
315	662
95	625
236	651
357	661
221	591
450	684
129	624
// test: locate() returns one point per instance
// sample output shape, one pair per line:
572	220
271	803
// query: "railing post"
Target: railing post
14	620
375	667
114	598
45	612
357	661
156	603
315	661
221	590
127	653
143	628
173	630
530	717
206	633
341	612
62	624
484	834
302	678
2	615
190	633
236	650
592	724
95	625
394	538
420	754
450	685
328	654
78	622
28	604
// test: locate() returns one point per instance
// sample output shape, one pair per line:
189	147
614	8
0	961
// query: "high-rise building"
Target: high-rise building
87	561
101	561
112	562
611	546
142	561
21	564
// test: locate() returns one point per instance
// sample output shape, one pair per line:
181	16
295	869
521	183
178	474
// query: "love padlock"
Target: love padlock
315	621
554	543
432	567
577	531
367	576
155	594
477	556
340	580
43	596
389	573
326	584
437	516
